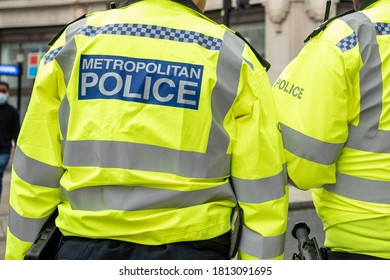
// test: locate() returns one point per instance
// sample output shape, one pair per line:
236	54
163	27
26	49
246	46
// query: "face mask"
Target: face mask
3	98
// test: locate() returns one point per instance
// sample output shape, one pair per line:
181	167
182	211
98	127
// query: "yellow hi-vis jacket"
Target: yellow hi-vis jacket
333	101
148	124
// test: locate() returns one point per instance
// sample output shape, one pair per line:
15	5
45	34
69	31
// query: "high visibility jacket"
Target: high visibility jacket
333	101
148	124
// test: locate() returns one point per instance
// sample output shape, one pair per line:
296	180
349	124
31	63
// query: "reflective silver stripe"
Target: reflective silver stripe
25	229
134	198
66	57
225	91
359	138
360	189
309	148
367	136
35	172
125	155
259	246
261	190
63	116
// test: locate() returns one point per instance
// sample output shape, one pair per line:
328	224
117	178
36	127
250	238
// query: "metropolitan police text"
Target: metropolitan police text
140	80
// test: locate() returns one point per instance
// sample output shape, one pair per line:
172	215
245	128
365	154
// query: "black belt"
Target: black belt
332	255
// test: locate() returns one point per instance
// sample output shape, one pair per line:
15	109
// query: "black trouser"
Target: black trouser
332	255
78	248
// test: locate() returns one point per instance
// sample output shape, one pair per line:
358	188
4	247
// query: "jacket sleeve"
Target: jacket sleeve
312	101
258	174
37	165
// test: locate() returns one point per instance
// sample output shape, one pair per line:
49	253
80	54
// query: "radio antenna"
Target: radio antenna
327	10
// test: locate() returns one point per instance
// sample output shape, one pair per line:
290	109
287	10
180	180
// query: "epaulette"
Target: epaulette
325	24
262	60
51	43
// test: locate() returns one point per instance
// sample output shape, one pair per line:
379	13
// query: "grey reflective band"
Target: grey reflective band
115	154
225	91
66	57
309	148
359	138
360	189
74	28
63	116
367	136
133	198
261	190
25	229
35	172
260	246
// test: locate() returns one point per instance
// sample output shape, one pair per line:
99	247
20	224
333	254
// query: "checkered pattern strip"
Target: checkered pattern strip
153	31
382	28
348	42
51	55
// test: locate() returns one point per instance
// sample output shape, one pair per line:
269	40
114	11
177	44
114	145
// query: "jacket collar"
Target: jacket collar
187	3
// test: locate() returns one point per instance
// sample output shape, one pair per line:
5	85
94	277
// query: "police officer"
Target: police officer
148	125
336	133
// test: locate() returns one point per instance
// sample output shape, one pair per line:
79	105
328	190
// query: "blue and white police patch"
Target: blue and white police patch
140	80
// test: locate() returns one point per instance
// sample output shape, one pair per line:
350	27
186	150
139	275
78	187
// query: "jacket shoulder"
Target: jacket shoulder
325	24
261	59
51	43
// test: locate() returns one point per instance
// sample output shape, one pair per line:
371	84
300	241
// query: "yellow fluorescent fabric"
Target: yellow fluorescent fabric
327	98
149	162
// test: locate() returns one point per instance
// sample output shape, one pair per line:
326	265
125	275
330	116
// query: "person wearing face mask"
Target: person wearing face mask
9	129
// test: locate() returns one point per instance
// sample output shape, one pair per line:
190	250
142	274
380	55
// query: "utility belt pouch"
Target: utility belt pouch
46	245
236	229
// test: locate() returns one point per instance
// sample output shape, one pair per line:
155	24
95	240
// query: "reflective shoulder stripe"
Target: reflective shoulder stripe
71	31
35	172
265	248
359	139
367	136
261	190
25	229
309	148
133	198
225	91
360	189
66	57
63	116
